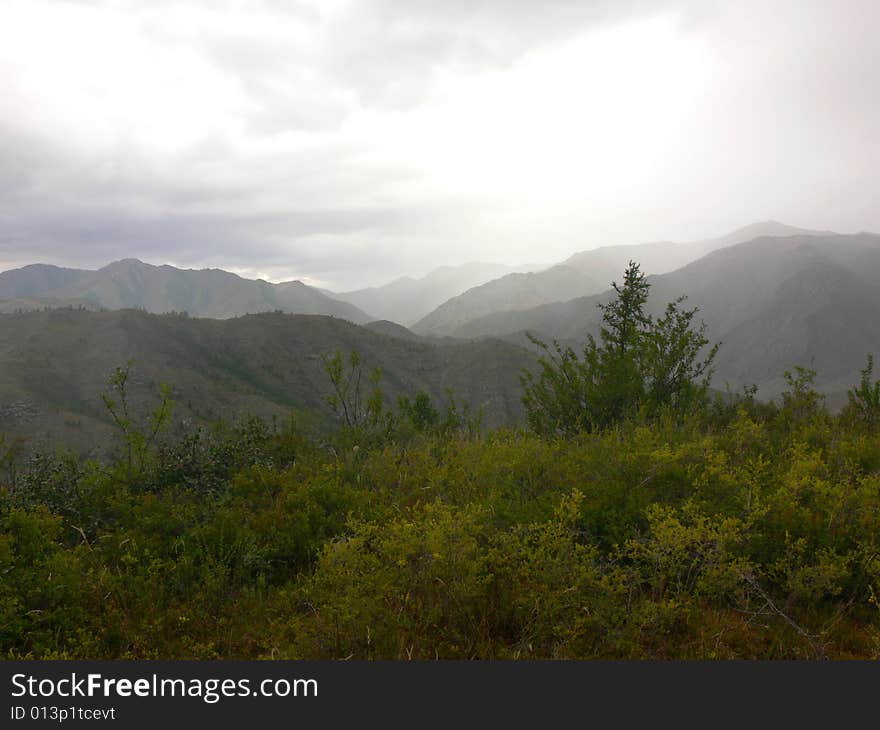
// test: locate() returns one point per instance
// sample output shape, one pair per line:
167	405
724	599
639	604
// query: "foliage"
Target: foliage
801	400
730	529
138	441
639	363
864	400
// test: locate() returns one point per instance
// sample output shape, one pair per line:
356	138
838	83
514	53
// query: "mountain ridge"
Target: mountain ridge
583	274
752	298
131	283
407	299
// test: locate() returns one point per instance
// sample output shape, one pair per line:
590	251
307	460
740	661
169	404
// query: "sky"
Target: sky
348	142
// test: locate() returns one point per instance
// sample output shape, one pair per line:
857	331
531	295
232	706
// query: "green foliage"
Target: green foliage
864	400
360	411
734	531
674	373
559	400
419	412
801	400
639	364
11	450
138	441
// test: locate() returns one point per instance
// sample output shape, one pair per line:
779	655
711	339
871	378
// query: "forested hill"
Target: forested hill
54	366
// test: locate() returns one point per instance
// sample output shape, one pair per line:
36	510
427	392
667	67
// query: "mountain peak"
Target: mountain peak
125	264
769	229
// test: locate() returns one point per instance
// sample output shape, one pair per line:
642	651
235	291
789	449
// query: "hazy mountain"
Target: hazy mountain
407	300
54	365
584	273
37	280
511	292
133	284
773	302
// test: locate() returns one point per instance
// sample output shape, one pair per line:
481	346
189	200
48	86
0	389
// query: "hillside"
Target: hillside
37	280
54	365
582	274
408	299
159	289
773	302
392	329
511	292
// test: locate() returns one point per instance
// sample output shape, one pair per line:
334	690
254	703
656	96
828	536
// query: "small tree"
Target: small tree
420	411
559	401
138	441
864	400
801	400
637	363
674	373
11	449
614	367
358	410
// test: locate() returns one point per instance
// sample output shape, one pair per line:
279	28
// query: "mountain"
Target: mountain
511	292
582	274
37	280
133	284
773	303
407	300
54	365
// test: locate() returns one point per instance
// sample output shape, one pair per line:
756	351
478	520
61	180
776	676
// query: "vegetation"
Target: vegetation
55	365
641	363
864	400
663	524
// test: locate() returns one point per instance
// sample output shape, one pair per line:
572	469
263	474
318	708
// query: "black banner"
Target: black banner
399	694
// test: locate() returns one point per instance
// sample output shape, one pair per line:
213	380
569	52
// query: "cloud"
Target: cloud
354	141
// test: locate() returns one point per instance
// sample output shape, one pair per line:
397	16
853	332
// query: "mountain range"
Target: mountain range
809	300
582	274
407	300
132	284
774	296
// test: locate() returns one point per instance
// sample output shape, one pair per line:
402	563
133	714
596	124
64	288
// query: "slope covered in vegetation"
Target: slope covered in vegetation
661	524
744	532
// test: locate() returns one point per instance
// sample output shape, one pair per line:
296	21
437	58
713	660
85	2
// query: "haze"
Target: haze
346	143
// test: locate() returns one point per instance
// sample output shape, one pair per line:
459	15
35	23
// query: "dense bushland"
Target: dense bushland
682	528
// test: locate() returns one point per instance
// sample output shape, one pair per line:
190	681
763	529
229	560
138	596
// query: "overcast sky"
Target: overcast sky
349	142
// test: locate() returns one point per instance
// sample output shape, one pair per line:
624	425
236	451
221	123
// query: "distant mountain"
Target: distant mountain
54	365
773	302
37	280
407	300
133	284
582	274
510	292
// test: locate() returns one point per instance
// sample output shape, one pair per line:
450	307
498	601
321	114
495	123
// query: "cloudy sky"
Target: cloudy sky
350	141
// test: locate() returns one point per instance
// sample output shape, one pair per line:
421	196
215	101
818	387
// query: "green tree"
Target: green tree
638	362
673	370
864	400
559	400
356	408
138	440
801	400
420	411
615	366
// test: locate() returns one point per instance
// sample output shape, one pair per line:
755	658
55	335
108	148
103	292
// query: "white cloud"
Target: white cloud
352	142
